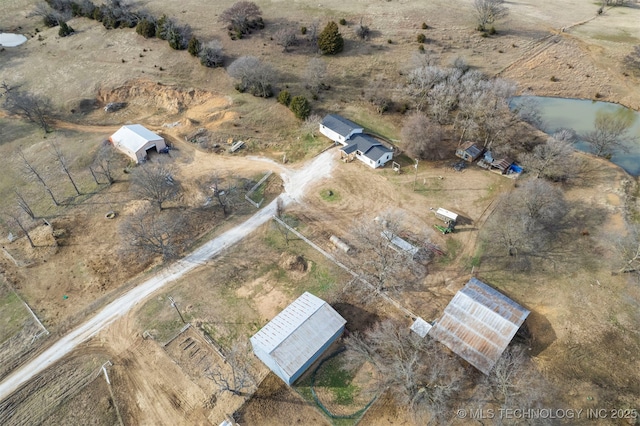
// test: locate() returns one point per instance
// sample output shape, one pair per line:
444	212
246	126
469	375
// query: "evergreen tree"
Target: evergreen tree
65	29
330	40
194	46
284	97
300	107
146	28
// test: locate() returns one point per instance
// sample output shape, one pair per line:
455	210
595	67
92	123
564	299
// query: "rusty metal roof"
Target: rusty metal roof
478	324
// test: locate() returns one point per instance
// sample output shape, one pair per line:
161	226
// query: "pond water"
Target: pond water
11	40
579	115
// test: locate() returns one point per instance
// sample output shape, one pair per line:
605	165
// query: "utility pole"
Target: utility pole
415	166
173	303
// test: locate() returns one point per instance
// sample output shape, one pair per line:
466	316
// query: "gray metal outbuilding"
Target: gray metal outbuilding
297	336
478	324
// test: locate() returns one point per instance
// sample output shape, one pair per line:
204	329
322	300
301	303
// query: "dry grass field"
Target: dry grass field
584	320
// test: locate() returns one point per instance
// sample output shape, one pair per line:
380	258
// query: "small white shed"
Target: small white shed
135	140
297	336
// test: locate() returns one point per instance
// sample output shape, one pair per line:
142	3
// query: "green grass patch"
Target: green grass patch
338	380
451	250
375	123
161	319
321	280
306	147
13	313
330	195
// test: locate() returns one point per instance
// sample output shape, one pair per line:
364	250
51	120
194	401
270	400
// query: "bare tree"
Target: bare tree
311	125
17	219
23	204
105	162
379	261
611	132
154	233
422	138
27	105
514	381
285	37
242	16
362	31
628	250
34	174
528	110
252	75
525	224
316	75
554	159
484	104
313	32
60	158
415	371
237	374
51	16
225	191
421	80
488	12
155	182
211	54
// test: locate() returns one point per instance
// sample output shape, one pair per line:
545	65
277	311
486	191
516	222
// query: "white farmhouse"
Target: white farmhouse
135	140
368	150
339	129
297	336
355	144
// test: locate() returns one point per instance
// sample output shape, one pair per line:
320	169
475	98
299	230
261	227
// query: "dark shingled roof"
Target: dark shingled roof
367	145
340	125
478	324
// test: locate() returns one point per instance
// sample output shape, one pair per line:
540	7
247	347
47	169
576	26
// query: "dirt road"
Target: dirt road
296	182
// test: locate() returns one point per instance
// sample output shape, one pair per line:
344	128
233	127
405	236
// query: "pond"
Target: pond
11	40
579	115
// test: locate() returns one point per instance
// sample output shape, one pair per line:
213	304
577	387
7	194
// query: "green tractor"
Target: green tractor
448	229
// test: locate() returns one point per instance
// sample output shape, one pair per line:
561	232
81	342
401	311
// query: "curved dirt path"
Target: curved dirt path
295	183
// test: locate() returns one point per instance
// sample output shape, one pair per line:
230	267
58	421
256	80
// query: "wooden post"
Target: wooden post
173	303
415	166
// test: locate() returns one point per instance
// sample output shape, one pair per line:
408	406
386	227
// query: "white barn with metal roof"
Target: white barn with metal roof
135	140
478	324
297	336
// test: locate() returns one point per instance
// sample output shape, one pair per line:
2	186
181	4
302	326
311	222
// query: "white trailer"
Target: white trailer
446	216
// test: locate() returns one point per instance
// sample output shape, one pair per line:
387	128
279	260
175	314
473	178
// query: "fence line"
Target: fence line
256	186
182	330
343	266
113	397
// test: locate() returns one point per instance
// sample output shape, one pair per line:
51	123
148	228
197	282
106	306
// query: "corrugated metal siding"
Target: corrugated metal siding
295	335
292	378
300	346
478	324
287	321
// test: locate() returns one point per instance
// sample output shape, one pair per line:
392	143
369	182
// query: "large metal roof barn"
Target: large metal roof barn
135	140
478	324
297	336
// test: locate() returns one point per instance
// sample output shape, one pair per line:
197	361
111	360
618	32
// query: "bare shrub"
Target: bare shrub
252	76
211	54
